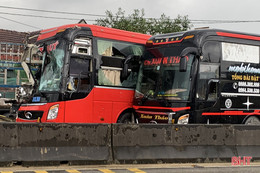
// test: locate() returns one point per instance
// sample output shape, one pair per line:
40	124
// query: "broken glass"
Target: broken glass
52	67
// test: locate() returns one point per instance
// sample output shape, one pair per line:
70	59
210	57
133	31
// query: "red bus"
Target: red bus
88	75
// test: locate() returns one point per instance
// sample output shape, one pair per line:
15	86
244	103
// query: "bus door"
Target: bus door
80	82
207	94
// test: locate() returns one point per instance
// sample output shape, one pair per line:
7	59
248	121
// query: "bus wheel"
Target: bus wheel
125	118
253	120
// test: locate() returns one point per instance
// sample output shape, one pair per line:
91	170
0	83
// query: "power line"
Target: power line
62	12
49	11
19	22
223	21
28	15
203	21
57	12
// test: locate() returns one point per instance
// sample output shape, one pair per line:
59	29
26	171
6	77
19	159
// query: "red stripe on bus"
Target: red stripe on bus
164	108
99	31
256	112
248	37
149	112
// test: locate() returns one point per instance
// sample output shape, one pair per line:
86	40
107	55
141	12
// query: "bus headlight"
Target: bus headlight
53	112
184	119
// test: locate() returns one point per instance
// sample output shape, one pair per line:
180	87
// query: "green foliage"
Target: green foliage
137	23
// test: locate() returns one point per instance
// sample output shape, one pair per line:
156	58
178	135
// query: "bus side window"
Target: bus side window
109	77
207	71
212	90
113	55
110	65
211	51
80	74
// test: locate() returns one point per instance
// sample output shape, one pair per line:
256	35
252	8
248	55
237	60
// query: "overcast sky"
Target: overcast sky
227	10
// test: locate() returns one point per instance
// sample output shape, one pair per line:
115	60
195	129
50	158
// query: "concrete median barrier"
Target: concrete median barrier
55	142
125	143
184	143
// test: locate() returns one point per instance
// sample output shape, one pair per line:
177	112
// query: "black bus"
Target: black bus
200	76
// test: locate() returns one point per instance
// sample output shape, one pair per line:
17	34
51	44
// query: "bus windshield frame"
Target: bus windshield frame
160	77
53	53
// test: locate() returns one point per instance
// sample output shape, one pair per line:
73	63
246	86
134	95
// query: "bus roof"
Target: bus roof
198	34
98	31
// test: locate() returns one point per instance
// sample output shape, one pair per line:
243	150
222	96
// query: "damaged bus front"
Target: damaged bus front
87	75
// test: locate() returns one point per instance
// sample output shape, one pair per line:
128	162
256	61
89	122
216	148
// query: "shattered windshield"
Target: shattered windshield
53	58
159	76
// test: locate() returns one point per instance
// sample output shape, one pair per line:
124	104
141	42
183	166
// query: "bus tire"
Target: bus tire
125	118
252	120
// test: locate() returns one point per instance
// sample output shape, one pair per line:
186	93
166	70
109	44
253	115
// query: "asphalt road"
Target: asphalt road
149	168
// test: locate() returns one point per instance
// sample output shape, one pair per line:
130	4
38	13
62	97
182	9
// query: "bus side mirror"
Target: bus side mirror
130	59
125	71
184	54
126	66
183	64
